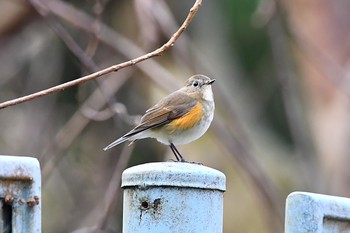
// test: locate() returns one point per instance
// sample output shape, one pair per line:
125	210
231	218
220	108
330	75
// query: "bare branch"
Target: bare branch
114	68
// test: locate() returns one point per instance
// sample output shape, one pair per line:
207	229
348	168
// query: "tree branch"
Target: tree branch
114	68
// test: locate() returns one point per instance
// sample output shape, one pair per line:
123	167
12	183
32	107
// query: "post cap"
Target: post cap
174	174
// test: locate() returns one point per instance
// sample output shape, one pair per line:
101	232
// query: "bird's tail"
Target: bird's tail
116	142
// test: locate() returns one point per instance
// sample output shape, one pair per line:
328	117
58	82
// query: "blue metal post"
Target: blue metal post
317	213
20	195
173	197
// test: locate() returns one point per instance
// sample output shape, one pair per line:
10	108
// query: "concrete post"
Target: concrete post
173	197
317	213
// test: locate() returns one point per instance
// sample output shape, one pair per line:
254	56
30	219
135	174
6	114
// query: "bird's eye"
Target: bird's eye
195	83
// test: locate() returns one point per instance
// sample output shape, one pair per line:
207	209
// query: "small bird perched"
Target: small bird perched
179	118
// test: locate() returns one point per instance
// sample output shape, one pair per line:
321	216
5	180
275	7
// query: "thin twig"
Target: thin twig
114	68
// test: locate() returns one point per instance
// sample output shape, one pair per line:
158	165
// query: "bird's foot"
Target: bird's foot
184	161
197	163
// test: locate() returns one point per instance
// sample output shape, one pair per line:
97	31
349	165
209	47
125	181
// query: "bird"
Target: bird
179	118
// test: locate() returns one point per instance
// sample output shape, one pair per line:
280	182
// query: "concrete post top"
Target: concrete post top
174	174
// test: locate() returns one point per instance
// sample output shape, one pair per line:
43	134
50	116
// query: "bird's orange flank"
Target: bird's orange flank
188	120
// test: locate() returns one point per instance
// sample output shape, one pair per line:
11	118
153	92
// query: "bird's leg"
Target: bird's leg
174	151
177	153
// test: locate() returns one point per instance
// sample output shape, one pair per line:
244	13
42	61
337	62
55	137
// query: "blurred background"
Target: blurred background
282	100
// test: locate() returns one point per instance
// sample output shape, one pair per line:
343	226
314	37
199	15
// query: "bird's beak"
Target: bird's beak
210	82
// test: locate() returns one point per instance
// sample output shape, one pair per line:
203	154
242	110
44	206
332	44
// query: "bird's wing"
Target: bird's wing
169	108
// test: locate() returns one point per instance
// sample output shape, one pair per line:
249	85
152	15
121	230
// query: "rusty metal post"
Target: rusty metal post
20	195
173	197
